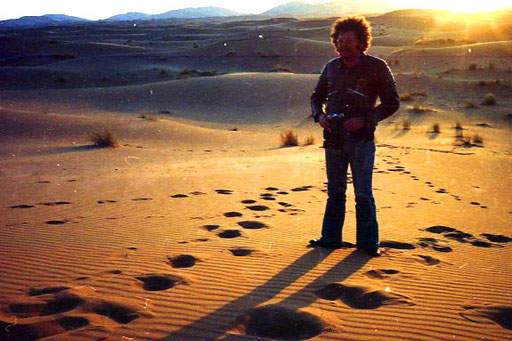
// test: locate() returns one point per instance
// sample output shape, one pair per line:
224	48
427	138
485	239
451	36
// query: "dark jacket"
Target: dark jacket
353	92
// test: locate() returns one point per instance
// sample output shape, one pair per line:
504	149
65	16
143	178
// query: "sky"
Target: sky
101	9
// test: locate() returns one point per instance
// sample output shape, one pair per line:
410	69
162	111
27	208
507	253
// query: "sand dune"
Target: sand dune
494	49
195	227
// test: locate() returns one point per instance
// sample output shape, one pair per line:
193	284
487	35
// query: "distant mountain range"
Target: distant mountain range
186	13
328	9
43	20
291	9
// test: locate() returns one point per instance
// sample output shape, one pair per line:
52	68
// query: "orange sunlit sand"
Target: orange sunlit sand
195	227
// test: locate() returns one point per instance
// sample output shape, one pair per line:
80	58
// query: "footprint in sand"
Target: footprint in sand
179	195
427	260
460	236
197	193
115	312
142	199
183	261
57	222
359	297
381	273
499	314
106	201
433	244
248	224
271	189
55	203
496	238
267	196
224	191
59	304
211	227
46	290
279	322
232	214
282	192
302	188
258	208
241	252
229	234
248	201
23	206
397	245
158	282
35	331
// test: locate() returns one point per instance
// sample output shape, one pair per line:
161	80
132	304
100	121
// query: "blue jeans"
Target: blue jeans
361	156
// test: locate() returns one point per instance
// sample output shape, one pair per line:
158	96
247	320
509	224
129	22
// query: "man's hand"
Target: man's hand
324	122
353	124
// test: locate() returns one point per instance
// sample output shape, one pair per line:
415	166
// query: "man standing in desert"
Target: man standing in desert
344	104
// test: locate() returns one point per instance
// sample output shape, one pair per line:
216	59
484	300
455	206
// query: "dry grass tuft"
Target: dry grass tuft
489	99
478	139
149	117
436	128
103	138
289	139
418	108
310	140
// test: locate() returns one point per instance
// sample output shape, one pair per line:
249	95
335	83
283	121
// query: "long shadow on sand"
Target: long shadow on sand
213	325
61	150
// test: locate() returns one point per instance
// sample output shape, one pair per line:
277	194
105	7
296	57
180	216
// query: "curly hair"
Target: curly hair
359	25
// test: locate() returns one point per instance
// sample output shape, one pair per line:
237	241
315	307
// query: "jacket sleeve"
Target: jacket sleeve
386	90
319	95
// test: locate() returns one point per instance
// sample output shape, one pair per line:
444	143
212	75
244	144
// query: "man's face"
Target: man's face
348	45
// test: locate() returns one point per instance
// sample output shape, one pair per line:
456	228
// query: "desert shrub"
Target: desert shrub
481	83
163	72
149	117
289	139
478	139
458	130
187	73
465	141
489	99
280	69
309	140
470	105
491	65
417	108
103	138
436	128
406	124
406	98
472	66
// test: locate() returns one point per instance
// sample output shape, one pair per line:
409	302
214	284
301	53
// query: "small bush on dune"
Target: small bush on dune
417	108
406	98
489	99
436	128
280	69
472	66
310	140
289	139
103	138
149	117
478	139
406	125
470	105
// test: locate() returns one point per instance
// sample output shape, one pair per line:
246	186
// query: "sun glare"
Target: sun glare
467	6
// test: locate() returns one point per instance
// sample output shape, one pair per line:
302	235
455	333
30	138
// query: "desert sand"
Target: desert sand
196	226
